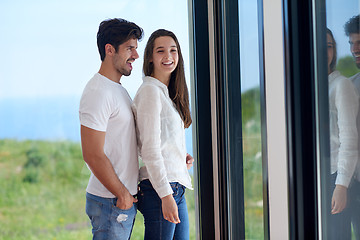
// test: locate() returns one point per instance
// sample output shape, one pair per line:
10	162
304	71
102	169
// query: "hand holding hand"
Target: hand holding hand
170	209
339	199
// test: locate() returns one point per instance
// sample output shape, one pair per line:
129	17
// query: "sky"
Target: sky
249	47
49	47
49	53
337	14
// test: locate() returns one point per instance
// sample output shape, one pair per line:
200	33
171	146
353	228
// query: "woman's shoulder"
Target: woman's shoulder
336	79
151	86
147	92
147	88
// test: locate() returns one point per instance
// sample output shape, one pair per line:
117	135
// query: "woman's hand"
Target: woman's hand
170	209
189	161
339	199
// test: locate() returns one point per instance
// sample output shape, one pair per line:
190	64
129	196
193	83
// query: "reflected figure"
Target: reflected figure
352	30
343	109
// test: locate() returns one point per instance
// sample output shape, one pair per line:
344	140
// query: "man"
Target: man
108	135
352	30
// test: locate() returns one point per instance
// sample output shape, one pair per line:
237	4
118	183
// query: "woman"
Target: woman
161	109
343	106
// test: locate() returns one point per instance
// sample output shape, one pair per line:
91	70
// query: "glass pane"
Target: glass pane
251	119
343	64
49	53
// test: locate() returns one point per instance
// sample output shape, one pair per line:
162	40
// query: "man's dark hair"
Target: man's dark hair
352	26
116	31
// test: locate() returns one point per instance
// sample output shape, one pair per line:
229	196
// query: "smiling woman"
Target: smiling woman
165	57
48	55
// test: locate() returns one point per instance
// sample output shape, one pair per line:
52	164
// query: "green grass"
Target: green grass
42	189
252	163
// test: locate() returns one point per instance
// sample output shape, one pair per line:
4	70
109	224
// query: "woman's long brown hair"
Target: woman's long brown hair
333	60
178	90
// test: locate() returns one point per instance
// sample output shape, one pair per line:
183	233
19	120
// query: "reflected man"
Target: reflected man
352	30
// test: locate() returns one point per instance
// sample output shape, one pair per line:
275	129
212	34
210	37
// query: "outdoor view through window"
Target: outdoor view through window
49	53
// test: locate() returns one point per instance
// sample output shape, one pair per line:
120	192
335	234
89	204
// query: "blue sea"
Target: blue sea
46	118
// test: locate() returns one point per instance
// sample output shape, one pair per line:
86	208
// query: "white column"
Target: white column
275	117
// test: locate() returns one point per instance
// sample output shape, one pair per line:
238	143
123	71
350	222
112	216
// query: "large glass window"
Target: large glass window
49	53
251	119
341	192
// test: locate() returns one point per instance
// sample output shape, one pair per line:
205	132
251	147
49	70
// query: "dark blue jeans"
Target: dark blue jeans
340	223
156	227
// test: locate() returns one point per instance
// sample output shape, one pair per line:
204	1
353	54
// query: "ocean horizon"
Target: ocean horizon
47	118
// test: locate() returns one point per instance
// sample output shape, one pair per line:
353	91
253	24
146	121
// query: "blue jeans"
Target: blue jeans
156	227
340	223
108	221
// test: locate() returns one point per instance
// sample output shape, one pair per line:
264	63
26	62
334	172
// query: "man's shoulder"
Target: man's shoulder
355	78
101	86
93	84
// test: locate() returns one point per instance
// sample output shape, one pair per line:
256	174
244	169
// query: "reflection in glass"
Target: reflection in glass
344	88
343	108
352	31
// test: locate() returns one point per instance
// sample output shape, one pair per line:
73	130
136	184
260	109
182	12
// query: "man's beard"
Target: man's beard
125	72
358	65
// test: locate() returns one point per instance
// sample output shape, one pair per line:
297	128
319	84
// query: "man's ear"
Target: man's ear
109	49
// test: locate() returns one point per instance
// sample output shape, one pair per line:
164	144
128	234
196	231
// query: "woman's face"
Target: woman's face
165	56
330	50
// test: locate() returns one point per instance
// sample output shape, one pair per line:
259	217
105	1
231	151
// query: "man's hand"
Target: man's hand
189	161
339	199
170	209
126	202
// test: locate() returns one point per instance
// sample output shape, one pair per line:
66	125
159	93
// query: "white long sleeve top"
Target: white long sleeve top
161	137
343	106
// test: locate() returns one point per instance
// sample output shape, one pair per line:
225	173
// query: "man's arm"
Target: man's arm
92	143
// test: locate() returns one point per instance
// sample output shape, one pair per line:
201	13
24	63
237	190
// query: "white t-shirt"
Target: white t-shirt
161	137
356	81
106	106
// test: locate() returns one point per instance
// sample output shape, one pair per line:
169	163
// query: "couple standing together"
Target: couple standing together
114	129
